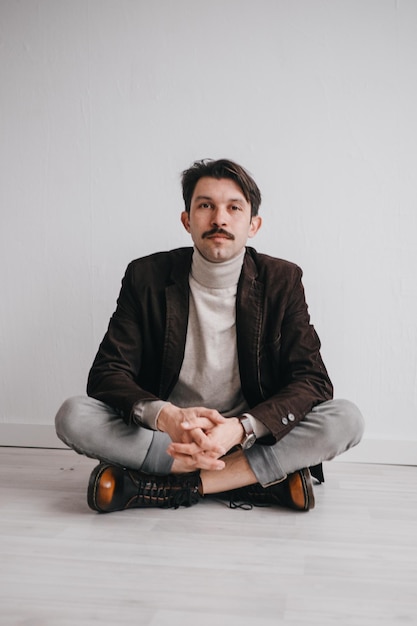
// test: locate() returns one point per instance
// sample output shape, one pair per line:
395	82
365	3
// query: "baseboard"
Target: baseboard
384	451
29	436
368	451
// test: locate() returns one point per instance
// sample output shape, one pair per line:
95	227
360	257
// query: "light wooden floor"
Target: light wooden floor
350	561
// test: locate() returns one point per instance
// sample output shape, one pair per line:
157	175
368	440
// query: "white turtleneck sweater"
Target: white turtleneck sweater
209	374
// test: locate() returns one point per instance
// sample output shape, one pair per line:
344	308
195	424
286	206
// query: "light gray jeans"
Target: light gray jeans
92	428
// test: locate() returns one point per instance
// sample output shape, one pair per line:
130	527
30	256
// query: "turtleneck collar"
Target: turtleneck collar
216	275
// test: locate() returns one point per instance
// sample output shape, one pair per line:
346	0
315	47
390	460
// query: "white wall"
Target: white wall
103	103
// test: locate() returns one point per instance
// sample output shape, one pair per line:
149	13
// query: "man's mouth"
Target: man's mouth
217	233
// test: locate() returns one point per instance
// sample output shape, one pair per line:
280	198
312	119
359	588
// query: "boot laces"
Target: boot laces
167	491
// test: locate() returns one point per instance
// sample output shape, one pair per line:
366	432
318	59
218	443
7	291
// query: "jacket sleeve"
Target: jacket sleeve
114	375
293	377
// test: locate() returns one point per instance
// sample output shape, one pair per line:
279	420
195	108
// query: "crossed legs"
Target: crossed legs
94	429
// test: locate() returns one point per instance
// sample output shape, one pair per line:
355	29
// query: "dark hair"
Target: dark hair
222	168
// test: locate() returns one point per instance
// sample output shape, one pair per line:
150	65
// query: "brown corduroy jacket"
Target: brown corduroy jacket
282	373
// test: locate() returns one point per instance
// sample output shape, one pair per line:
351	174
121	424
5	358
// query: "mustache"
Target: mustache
217	231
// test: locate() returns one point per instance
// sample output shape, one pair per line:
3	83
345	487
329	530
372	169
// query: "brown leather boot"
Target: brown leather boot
112	488
295	492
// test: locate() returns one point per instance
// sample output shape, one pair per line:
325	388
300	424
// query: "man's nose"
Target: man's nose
219	216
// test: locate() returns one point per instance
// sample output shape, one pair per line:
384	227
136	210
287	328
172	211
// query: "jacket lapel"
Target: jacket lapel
177	303
249	315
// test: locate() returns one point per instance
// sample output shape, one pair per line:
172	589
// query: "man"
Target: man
209	378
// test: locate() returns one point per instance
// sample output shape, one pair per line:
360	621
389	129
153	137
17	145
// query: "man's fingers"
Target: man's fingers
198	436
181	449
199	461
203	423
208	463
191	449
200	417
203	442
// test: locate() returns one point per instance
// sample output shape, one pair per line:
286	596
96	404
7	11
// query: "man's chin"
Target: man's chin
217	254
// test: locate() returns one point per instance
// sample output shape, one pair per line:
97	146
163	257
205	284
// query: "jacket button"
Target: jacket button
291	417
284	421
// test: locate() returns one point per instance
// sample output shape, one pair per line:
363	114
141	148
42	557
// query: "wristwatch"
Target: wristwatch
250	436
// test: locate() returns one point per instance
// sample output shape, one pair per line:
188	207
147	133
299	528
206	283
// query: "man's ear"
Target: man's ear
185	219
255	224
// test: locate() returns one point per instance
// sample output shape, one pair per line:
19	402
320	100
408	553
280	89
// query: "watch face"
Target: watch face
249	441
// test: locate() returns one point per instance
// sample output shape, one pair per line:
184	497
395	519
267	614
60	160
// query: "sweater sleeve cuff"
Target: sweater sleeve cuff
259	429
146	412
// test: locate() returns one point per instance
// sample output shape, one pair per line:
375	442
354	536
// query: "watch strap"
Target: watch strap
250	437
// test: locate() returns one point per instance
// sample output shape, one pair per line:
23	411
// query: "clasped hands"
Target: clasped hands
200	437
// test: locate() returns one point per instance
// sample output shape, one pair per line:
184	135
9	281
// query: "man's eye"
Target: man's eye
235	207
205	205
